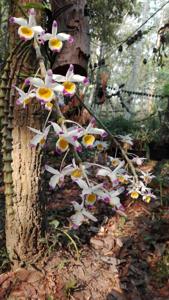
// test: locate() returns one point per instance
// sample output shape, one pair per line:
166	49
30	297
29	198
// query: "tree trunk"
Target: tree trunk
22	164
71	19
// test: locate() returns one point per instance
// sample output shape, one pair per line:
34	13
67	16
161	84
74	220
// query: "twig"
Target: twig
132	168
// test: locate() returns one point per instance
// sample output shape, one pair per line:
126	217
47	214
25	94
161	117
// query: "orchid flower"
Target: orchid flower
45	88
124	178
138	160
56	39
24	98
87	134
100	146
136	189
115	161
126	139
148	196
113	175
66	138
28	29
146	177
75	171
68	81
90	193
114	200
40	137
58	177
81	214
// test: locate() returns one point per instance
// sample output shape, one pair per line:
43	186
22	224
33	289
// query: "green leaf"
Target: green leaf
54	223
34	5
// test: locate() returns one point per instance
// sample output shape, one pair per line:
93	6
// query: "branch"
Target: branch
132	168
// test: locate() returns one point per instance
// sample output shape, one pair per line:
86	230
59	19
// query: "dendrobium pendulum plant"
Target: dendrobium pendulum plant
112	179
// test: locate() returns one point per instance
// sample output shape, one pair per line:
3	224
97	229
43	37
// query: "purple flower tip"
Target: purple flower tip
55	23
27	81
58	151
93	121
79	149
33	146
90	147
18	102
105	134
106	200
121	207
71	68
86	81
90	206
11	20
71	39
74	138
75	226
32	12
66	93
49	72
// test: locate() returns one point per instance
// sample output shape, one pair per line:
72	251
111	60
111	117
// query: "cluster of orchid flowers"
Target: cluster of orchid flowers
114	176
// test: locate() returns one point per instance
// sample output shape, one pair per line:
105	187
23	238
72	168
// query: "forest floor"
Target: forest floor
117	258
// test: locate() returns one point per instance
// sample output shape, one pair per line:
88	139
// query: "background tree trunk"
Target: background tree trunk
71	19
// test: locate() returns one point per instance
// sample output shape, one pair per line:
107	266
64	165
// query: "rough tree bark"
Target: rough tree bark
71	19
22	164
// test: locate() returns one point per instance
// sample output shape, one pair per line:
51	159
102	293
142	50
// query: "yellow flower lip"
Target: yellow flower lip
91	198
26	101
55	44
62	144
147	199
114	162
77	173
45	94
69	88
26	32
88	140
42	141
134	195
100	147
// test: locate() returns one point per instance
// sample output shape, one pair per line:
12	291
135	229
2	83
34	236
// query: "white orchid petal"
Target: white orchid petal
35	130
115	201
89	215
63	36
32	20
58	88
52	170
22	93
37	138
37	82
37	29
78	78
103	172
46	131
56	128
19	21
96	187
96	131
82	184
59	78
70	73
54	28
54	181
46	36
77	206
48	78
77	219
